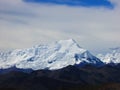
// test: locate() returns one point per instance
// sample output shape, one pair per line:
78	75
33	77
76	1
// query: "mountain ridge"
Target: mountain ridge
113	57
52	56
68	78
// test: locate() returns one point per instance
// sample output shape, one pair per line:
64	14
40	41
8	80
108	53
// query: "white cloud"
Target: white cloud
25	24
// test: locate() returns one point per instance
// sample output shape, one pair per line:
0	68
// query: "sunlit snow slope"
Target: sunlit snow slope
111	58
52	56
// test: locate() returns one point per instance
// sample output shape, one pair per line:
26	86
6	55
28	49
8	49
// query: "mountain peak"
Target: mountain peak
112	57
69	43
68	40
115	50
52	56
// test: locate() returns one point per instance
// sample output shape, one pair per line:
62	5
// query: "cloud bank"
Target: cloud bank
24	24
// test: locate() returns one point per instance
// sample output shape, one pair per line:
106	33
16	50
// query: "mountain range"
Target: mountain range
88	77
61	65
113	57
52	56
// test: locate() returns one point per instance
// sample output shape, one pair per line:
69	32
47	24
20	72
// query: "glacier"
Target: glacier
113	57
51	56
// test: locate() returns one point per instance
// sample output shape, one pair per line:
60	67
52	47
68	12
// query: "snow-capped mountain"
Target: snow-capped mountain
111	58
52	56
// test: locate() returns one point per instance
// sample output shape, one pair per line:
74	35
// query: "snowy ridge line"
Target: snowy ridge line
111	58
52	56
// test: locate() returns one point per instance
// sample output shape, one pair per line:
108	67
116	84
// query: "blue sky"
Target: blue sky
84	3
94	24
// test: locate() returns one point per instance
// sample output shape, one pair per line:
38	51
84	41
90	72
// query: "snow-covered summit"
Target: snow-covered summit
111	58
51	56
